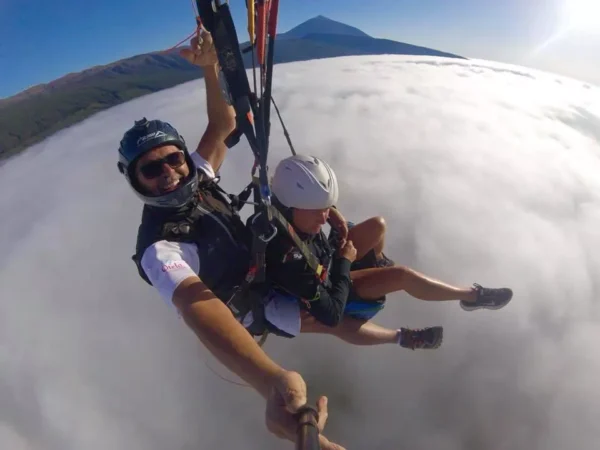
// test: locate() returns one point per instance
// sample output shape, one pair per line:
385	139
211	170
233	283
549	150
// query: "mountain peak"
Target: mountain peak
323	25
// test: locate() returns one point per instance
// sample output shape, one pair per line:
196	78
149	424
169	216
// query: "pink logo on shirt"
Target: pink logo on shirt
172	265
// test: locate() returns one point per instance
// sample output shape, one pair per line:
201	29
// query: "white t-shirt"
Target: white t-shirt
166	264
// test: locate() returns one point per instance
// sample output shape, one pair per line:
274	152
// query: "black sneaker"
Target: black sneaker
423	338
488	298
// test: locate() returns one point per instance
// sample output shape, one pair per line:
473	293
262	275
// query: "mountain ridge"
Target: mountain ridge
39	111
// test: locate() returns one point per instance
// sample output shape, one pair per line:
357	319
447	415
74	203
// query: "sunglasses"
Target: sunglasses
154	169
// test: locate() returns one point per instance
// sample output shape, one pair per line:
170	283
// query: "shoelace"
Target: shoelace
482	293
414	336
488	295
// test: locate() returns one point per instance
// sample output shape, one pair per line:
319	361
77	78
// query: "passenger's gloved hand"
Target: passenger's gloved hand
202	50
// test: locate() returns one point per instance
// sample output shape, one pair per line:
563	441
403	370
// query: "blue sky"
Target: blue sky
41	41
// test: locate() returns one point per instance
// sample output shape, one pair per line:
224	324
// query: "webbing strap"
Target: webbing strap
260	223
217	19
311	259
253	121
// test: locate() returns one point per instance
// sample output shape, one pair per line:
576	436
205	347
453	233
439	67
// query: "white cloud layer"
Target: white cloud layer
485	172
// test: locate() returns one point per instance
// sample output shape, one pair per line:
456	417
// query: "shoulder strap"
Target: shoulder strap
237	202
273	212
311	259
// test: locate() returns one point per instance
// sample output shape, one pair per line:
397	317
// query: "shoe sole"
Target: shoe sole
474	308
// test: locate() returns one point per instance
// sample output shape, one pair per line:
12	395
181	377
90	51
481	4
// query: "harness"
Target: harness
252	294
208	217
253	122
270	214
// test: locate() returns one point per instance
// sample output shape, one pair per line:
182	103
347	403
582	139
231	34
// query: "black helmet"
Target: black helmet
143	137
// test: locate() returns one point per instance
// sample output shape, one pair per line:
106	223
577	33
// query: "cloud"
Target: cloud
485	173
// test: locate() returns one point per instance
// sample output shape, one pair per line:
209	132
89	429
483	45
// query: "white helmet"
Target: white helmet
305	182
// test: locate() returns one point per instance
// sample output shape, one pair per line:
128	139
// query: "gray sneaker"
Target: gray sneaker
488	298
423	338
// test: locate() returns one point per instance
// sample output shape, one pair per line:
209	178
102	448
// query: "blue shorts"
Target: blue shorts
357	307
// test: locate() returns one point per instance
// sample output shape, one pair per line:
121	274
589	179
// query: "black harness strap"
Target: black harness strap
311	259
247	297
252	294
216	18
260	223
253	121
260	241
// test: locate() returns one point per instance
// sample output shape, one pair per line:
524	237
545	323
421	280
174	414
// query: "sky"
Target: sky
484	172
41	41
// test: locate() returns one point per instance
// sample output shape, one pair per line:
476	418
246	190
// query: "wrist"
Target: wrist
212	68
343	263
269	379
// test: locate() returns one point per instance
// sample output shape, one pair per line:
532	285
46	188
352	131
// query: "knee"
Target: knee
379	225
400	272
